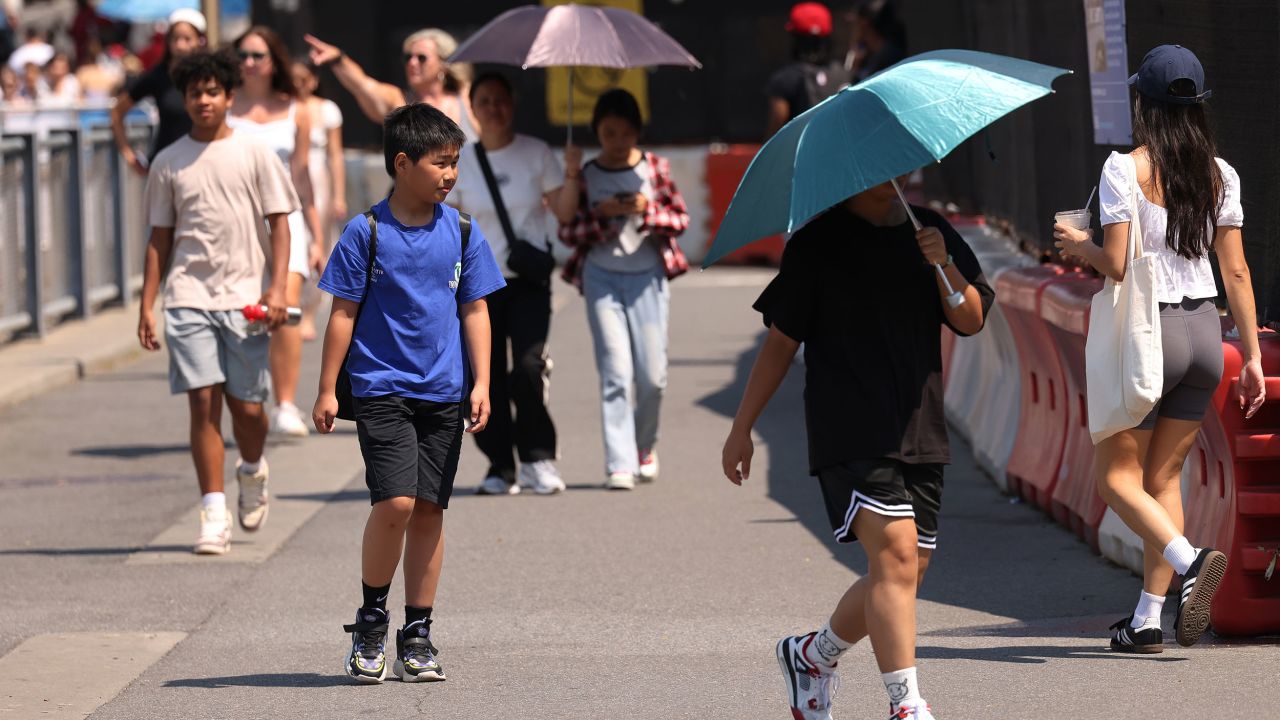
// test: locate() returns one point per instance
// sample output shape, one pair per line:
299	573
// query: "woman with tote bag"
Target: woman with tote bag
1154	352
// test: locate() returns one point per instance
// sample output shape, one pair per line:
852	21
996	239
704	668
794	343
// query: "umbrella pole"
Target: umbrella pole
954	299
570	142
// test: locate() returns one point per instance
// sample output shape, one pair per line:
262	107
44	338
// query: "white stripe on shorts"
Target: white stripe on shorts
860	501
926	541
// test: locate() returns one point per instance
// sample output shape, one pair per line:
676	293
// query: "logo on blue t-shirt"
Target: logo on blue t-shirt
457	276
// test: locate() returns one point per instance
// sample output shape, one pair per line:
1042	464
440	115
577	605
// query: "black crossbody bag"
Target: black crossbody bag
523	257
342	388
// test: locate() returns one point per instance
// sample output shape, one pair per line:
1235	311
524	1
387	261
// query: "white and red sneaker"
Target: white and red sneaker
648	466
809	688
920	711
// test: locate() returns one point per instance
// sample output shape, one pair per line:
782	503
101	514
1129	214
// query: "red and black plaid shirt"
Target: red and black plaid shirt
665	216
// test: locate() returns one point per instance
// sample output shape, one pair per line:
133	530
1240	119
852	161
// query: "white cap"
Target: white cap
194	18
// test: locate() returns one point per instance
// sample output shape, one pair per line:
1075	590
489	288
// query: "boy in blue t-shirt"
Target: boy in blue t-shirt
425	304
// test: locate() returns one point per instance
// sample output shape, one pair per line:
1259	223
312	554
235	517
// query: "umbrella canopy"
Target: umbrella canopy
152	10
572	34
892	123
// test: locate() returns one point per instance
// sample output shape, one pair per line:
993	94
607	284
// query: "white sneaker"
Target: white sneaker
810	690
253	496
215	534
620	481
648	466
288	421
541	477
497	485
921	711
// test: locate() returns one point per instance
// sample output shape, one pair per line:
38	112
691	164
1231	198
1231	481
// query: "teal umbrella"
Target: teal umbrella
890	124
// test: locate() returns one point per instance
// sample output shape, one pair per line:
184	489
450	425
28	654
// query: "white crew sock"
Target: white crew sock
902	688
1147	614
1180	554
825	648
249	468
214	504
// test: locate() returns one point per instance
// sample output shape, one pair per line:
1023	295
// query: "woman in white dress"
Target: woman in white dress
267	108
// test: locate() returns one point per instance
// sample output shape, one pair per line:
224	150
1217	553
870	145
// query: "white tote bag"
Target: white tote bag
1123	356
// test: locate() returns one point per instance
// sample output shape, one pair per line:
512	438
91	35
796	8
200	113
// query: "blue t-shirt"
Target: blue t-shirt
408	341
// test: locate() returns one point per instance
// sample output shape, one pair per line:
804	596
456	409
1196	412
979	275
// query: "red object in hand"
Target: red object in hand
258	313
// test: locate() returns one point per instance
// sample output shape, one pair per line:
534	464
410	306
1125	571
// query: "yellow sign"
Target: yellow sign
589	83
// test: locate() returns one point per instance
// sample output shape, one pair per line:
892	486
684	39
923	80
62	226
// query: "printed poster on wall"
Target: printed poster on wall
590	83
1108	71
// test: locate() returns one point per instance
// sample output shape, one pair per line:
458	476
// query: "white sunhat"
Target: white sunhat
194	18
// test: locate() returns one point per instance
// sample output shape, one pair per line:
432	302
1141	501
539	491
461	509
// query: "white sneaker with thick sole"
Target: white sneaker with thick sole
253	496
541	477
288	421
918	712
620	481
215	534
810	690
497	485
648	466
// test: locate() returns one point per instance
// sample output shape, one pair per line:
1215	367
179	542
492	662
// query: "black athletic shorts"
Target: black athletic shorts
886	487
410	447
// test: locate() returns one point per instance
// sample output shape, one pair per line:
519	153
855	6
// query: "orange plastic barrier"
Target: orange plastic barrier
1075	501
1231	496
725	168
1037	454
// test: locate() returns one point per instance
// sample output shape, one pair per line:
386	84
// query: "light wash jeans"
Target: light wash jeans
628	316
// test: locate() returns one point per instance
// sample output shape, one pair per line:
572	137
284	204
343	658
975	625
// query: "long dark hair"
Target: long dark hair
1183	155
281	63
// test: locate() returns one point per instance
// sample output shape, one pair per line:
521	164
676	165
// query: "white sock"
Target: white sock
1180	554
902	688
825	648
214	504
249	468
1147	614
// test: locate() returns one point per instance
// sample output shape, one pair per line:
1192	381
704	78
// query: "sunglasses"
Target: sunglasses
255	56
422	59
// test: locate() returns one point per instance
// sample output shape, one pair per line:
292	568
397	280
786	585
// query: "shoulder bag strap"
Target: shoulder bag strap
1135	224
483	158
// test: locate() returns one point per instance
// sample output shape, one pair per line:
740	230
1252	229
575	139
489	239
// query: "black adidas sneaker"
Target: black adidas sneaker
1198	586
1144	641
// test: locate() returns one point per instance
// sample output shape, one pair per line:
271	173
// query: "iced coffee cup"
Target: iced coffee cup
1078	219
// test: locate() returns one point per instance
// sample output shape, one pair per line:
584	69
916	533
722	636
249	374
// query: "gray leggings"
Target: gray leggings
1192	338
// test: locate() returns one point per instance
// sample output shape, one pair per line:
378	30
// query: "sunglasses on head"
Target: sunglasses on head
421	58
249	55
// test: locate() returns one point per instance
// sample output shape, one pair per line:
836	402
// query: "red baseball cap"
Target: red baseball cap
810	18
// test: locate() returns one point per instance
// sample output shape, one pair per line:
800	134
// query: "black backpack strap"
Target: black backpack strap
368	271
464	224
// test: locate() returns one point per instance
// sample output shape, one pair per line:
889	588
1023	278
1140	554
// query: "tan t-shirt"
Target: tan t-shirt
216	196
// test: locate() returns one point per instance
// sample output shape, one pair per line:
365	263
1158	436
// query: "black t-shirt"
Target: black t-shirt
804	85
867	308
174	120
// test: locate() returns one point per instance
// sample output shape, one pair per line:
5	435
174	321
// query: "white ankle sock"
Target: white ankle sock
1147	614
825	648
1180	554
249	468
902	688
214	504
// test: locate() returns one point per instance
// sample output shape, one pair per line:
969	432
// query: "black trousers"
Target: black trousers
520	318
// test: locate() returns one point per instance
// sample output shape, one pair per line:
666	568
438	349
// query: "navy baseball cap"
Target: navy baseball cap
1164	65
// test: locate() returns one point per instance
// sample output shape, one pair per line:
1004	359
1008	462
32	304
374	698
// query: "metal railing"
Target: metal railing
72	226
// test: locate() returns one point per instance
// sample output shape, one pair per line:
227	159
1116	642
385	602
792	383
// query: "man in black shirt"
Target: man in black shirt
858	288
811	76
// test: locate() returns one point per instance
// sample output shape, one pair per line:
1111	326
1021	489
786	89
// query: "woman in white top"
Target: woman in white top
1188	204
328	173
529	179
429	78
265	107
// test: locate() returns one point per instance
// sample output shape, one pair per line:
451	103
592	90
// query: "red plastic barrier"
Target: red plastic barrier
1075	501
1042	422
1232	496
725	169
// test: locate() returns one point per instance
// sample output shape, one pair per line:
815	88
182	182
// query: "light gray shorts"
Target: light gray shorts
215	347
1192	339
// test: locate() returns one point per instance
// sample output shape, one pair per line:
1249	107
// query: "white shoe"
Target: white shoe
253	496
810	689
620	481
497	485
648	466
288	421
922	711
541	477
215	534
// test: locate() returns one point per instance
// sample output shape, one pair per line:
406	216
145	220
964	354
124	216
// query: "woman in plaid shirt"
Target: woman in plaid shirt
623	235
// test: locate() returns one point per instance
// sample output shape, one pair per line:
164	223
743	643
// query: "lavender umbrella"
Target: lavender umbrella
572	35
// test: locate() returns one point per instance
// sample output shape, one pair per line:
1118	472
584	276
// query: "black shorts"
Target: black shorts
410	447
886	487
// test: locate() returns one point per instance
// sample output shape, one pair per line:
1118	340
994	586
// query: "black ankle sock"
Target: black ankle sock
414	614
375	597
